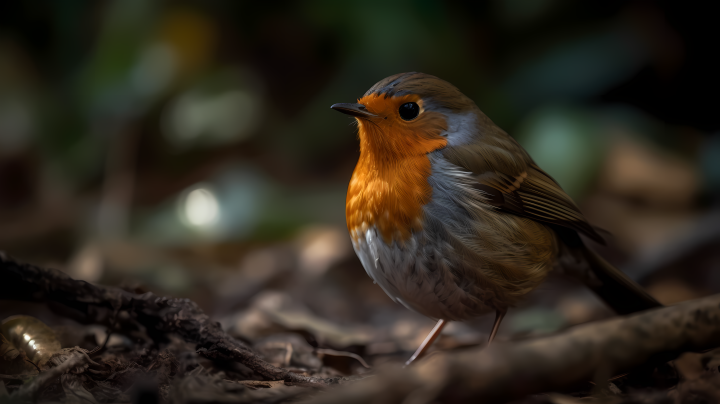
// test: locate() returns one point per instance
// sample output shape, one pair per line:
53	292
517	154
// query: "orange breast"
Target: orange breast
390	186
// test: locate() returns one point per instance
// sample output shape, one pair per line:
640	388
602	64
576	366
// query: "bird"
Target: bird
453	219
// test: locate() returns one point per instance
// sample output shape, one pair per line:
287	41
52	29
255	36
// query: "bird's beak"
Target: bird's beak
356	110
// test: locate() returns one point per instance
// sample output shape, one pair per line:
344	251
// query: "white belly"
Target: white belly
422	275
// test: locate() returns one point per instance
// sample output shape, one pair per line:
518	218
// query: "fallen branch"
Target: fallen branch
159	315
511	370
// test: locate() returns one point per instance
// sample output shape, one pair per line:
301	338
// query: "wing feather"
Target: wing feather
508	179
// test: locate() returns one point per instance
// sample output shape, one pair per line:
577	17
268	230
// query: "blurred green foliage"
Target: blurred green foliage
126	106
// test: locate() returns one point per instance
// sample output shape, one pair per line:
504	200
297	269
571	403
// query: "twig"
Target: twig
33	363
27	391
159	315
107	337
511	370
333	352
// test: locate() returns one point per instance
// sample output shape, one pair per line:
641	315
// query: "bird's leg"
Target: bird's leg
499	314
428	341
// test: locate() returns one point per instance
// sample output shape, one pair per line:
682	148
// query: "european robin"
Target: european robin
453	218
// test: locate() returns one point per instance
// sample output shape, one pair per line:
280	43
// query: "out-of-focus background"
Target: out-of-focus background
188	148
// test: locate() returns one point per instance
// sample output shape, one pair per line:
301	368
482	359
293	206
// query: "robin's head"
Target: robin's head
411	114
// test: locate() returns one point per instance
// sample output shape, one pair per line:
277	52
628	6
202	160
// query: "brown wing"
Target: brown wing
509	180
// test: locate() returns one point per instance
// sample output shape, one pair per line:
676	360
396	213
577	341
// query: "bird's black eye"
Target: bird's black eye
409	111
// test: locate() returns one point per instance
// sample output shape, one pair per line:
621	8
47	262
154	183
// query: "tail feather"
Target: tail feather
621	293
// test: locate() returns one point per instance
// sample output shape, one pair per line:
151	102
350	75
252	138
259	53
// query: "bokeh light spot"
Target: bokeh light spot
201	208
